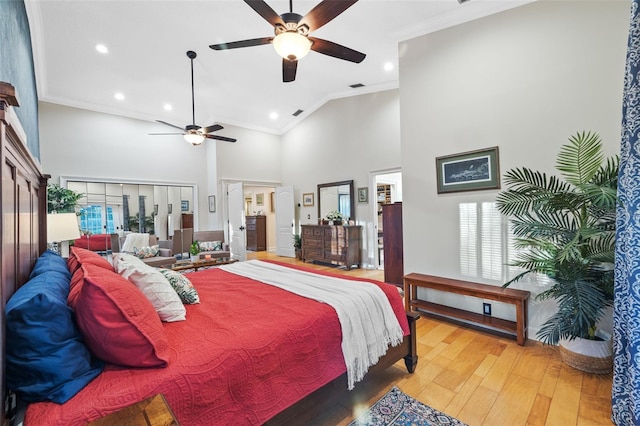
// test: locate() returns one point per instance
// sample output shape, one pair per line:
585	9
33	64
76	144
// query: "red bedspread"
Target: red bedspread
247	352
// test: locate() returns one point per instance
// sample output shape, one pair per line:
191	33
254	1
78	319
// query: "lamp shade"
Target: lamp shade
194	138
62	227
291	45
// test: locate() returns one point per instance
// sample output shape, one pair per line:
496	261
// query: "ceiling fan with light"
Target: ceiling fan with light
292	40
193	133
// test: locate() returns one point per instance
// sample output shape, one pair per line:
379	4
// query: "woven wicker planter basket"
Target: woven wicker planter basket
590	356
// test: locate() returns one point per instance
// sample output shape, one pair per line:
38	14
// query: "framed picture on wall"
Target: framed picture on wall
273	202
155	210
170	208
307	199
363	195
184	205
212	203
260	199
468	171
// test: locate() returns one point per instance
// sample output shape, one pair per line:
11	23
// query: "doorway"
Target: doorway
388	190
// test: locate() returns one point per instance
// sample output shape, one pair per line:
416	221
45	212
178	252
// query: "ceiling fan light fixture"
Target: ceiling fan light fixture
194	138
291	45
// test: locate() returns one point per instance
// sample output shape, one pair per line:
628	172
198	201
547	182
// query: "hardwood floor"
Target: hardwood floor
476	377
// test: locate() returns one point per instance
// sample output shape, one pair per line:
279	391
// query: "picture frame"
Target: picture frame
273	202
155	210
468	171
212	203
184	205
308	199
363	195
170	208
260	199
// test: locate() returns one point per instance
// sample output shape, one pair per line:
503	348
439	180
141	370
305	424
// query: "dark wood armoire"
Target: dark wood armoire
392	242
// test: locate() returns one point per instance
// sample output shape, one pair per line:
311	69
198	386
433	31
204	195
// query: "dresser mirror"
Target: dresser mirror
336	196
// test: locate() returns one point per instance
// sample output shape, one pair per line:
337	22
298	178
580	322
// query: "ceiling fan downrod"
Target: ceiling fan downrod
191	54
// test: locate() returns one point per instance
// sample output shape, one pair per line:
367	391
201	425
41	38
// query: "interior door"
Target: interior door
285	221
237	236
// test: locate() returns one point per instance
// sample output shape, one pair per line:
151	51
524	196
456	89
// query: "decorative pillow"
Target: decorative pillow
145	252
210	245
181	284
85	256
77	280
153	285
46	358
50	261
118	323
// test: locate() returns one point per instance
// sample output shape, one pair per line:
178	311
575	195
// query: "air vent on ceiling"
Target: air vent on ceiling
297	113
357	85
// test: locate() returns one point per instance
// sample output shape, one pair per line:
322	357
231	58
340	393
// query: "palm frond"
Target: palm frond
580	159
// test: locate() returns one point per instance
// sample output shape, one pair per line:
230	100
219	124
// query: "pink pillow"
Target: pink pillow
118	322
85	256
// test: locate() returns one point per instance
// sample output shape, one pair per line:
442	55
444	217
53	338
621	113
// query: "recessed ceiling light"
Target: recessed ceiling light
388	66
119	96
273	116
102	48
168	107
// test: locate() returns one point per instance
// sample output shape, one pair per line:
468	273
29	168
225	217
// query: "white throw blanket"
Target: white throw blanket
134	240
368	322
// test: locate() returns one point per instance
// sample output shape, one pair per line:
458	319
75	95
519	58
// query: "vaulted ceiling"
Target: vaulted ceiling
147	63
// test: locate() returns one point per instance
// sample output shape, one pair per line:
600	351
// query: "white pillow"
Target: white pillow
153	285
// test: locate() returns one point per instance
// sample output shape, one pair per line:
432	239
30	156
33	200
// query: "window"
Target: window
484	236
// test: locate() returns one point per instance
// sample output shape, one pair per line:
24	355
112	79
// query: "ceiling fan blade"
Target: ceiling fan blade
289	70
265	11
166	133
324	12
337	51
169	124
212	128
242	43
219	138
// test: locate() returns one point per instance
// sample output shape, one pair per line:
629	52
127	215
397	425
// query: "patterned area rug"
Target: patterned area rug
397	408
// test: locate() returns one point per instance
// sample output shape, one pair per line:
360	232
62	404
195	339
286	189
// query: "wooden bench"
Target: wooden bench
515	297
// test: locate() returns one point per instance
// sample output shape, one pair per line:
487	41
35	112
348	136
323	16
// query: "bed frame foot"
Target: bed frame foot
411	359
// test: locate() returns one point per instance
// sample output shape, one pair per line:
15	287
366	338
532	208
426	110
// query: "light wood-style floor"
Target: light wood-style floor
476	377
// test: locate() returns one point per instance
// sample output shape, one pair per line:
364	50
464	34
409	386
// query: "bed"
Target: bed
246	353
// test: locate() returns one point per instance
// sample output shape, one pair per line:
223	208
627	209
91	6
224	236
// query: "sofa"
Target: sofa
162	258
178	247
182	239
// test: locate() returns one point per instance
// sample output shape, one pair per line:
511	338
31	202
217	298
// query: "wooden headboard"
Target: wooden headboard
23	222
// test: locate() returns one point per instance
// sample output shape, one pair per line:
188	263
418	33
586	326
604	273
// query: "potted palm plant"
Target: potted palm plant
565	228
297	245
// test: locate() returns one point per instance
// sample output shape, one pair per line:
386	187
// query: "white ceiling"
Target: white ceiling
147	62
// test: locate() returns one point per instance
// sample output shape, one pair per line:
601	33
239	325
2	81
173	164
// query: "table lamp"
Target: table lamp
62	227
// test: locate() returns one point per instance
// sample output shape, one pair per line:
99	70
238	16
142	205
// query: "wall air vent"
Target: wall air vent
356	86
297	113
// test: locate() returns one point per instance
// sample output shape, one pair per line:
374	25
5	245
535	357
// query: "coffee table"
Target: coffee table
182	266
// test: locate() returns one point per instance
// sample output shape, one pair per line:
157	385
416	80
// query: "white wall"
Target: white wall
82	143
345	139
525	80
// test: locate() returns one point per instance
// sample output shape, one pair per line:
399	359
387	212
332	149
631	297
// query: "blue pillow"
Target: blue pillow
50	261
46	359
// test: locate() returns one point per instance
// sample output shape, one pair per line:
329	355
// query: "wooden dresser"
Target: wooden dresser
332	244
256	233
